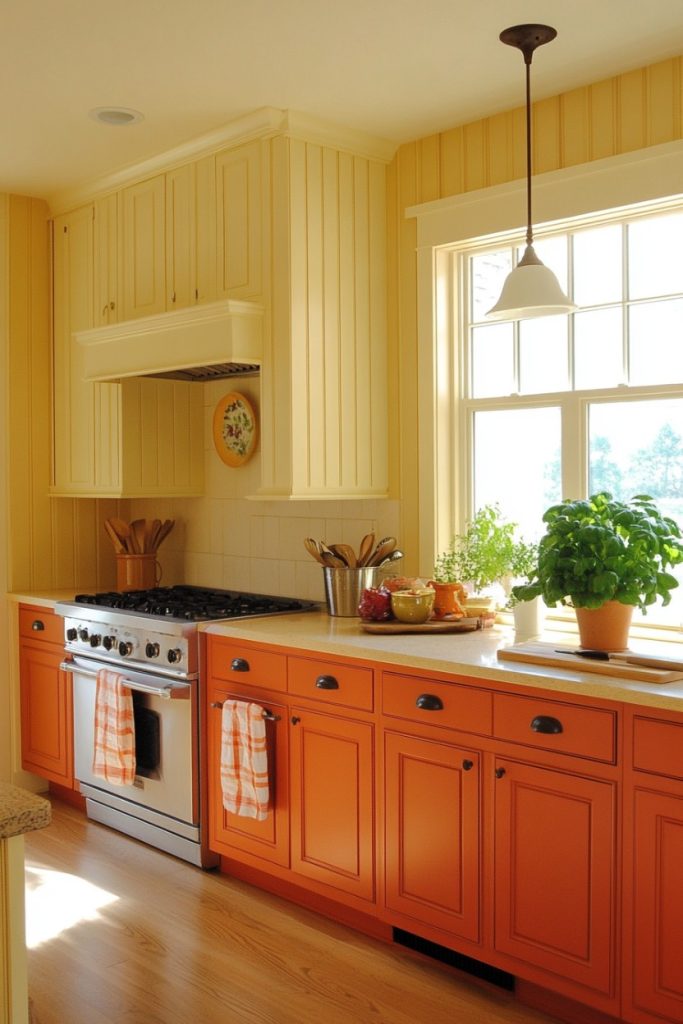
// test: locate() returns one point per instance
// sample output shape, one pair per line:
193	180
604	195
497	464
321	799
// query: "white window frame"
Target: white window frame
445	228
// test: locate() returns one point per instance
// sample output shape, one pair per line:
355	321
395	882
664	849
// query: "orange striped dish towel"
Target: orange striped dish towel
114	756
244	760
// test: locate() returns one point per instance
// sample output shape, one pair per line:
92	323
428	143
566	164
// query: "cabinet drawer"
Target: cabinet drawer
565	728
41	624
658	747
247	665
334	683
433	703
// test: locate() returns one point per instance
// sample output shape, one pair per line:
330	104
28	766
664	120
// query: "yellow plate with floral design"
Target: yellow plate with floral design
234	429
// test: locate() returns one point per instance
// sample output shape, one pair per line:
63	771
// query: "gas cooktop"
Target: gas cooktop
191	604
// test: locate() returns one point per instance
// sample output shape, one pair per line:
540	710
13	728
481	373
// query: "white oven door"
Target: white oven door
165	742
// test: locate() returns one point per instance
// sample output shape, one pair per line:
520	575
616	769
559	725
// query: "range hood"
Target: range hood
207	342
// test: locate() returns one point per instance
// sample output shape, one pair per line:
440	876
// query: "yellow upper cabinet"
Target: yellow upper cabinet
191	234
240	222
142	248
106	282
111	439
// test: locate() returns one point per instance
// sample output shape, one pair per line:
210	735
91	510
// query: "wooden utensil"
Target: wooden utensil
137	529
114	537
331	560
346	553
164	531
365	549
312	548
124	534
152	541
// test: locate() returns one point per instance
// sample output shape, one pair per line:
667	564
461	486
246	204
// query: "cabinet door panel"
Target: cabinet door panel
554	880
658	904
332	805
46	710
230	833
143	248
432	833
180	237
239	215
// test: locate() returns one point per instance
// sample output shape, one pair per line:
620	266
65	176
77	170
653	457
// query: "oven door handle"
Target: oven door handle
170	691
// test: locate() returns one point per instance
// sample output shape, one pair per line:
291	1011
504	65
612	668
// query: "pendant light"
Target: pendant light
531	289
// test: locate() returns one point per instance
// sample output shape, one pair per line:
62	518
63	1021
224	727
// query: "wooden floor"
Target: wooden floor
171	944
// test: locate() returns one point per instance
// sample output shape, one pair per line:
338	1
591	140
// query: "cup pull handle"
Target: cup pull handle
239	665
429	702
546	724
326	683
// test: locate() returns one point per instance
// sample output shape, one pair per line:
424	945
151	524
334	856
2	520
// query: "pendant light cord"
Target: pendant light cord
529	230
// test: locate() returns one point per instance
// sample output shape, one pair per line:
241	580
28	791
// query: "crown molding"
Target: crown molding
263	123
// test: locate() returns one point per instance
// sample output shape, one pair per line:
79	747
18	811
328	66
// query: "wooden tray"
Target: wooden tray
544	654
467	625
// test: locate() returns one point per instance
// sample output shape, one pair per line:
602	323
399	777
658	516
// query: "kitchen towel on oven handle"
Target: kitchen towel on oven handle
244	760
114	747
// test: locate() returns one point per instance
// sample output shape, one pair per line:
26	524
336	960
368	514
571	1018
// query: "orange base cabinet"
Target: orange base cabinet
554	872
46	700
230	833
332	807
432	826
653	950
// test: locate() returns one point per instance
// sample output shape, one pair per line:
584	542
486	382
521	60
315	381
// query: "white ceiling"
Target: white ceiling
398	69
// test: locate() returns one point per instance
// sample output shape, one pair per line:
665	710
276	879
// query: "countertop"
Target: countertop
461	654
21	811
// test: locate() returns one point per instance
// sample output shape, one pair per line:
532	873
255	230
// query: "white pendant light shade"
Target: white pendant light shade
530	290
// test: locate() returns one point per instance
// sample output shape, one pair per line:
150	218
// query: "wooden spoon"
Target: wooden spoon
154	528
365	549
122	529
331	560
119	548
312	548
137	528
166	528
346	553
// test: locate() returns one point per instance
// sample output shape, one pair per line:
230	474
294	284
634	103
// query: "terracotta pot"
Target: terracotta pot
448	602
605	628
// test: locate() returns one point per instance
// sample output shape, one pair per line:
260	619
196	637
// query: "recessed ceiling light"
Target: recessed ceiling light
116	116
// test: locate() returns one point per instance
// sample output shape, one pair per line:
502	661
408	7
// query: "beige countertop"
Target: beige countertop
21	811
462	654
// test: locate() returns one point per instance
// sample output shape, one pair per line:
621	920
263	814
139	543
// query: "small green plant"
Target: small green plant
482	555
597	550
522	566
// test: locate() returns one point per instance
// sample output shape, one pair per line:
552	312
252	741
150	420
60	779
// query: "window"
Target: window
565	406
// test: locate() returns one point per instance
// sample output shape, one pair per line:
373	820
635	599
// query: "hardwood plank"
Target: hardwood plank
178	944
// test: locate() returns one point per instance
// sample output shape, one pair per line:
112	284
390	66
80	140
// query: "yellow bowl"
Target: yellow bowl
413	605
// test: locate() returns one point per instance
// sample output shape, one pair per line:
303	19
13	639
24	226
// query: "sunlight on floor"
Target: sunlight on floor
56	901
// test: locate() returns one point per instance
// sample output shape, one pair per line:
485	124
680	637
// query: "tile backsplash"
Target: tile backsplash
228	540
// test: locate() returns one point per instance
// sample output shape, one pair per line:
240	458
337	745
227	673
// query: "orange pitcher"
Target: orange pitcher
449	601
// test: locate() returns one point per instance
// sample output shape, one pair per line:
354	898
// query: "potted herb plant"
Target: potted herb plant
527	615
479	557
604	558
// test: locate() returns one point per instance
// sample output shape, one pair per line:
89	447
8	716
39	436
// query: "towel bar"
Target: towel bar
268	715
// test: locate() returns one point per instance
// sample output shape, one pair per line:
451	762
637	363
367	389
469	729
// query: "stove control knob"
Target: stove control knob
152	650
109	642
125	648
174	655
95	640
71	633
83	634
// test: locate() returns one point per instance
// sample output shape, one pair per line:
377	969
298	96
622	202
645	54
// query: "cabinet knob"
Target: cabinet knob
429	702
217	704
38	625
326	683
499	773
295	719
545	723
467	765
239	665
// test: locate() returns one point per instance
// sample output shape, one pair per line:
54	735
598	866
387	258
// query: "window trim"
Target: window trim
445	227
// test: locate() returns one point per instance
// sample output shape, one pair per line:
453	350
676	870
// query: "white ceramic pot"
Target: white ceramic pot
528	617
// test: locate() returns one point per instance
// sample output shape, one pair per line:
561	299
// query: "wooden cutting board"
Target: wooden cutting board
538	653
467	625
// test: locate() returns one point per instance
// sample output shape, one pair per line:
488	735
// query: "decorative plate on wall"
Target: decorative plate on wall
234	429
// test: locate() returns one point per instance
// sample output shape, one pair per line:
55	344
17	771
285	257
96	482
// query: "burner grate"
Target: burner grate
194	604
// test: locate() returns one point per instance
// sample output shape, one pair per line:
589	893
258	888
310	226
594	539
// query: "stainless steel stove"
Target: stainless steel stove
151	638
